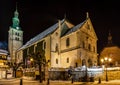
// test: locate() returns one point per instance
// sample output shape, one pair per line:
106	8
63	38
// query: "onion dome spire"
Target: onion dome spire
15	19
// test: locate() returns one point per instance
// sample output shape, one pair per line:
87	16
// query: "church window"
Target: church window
67	60
93	49
83	44
15	38
16	33
89	62
56	48
56	34
56	61
83	62
44	45
76	64
89	47
67	42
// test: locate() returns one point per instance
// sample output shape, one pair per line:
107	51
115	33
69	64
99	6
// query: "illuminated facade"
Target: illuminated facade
3	63
112	52
15	37
65	44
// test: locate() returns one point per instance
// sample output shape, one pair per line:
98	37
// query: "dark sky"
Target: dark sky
36	16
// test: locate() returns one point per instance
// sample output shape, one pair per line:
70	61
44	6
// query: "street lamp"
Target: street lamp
106	61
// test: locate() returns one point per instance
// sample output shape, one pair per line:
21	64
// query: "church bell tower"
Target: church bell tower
15	36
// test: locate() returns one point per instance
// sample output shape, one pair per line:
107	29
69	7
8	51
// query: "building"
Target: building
64	45
3	63
15	37
111	52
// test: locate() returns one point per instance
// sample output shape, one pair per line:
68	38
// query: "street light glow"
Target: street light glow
31	59
106	58
110	59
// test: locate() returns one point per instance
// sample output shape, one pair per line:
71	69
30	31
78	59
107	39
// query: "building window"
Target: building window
56	34
67	60
93	49
83	62
44	45
67	42
76	64
56	48
16	38
89	47
56	61
83	44
89	62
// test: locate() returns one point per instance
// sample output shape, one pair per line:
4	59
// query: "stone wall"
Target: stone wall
112	75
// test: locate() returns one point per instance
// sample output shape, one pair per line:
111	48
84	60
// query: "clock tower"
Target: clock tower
15	36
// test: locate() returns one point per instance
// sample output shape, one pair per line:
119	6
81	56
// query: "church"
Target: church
61	45
111	53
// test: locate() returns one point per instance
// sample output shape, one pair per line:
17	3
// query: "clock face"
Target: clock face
17	28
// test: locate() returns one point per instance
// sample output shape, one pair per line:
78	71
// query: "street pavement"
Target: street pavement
18	81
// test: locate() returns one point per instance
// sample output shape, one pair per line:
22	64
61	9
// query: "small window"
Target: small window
67	42
56	48
93	49
83	44
56	34
67	60
56	61
44	45
89	47
18	34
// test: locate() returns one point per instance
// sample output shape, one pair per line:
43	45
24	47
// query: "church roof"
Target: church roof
42	34
75	28
65	30
5	52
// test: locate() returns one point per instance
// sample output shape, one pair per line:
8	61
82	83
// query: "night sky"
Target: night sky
36	16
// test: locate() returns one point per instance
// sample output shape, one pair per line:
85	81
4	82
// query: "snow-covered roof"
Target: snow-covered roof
49	31
42	35
4	52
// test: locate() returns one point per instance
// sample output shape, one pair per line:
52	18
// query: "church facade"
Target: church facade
63	45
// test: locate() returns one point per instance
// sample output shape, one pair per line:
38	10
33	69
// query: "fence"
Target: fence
76	75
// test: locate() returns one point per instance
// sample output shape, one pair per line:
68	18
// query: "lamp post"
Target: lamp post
106	61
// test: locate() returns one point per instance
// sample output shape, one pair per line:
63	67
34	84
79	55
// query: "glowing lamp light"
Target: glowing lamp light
110	59
106	58
102	60
31	59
